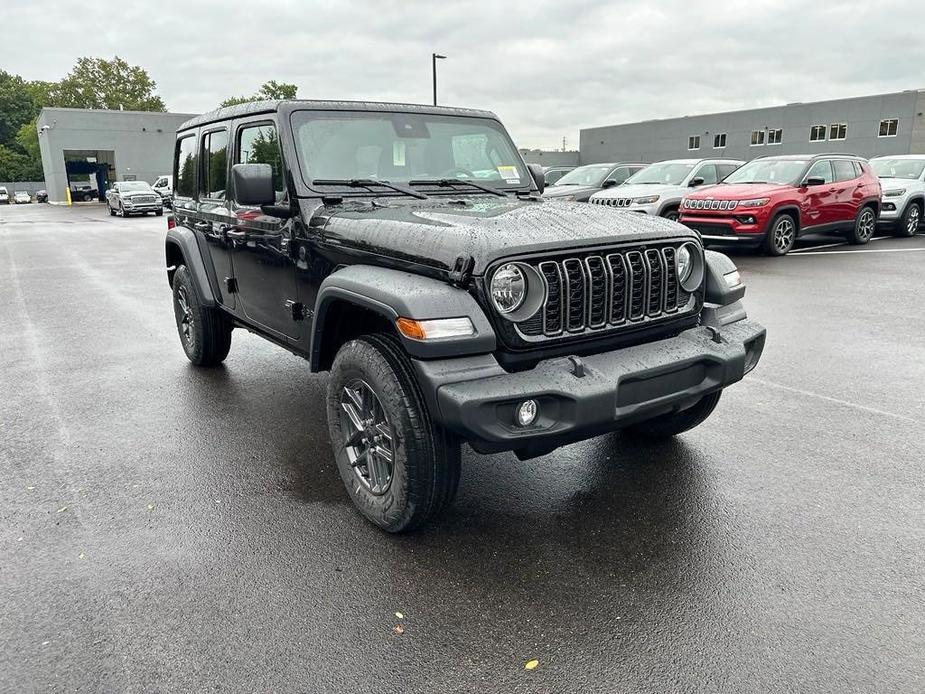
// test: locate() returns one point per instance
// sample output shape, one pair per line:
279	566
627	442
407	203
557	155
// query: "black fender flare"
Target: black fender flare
916	197
397	294
182	239
786	207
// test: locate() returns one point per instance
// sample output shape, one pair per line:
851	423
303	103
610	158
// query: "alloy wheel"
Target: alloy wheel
866	224
184	316
368	438
783	234
912	223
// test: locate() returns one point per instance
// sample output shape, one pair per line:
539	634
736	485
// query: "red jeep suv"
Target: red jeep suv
771	201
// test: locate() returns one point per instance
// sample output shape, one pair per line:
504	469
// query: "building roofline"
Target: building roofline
107	111
754	109
256	107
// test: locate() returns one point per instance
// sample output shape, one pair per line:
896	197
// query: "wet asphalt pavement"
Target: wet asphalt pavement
169	529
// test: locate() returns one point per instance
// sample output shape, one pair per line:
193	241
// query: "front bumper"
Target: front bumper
144	207
892	208
618	388
732	230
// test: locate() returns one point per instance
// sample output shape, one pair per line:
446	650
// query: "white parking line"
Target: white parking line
813	248
846	403
867	250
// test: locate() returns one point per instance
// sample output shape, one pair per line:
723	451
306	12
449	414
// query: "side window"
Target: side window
723	170
214	164
821	169
844	170
259	144
619	175
707	172
185	167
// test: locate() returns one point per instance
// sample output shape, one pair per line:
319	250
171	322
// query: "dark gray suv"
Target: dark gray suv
580	184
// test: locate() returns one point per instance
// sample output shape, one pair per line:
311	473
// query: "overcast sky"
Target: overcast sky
546	68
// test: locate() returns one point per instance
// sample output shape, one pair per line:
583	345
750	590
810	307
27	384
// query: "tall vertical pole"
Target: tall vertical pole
434	57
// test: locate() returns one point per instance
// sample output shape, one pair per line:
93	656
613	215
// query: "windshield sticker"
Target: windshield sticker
398	153
509	174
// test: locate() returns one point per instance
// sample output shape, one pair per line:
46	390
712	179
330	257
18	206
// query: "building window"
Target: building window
719	140
888	127
775	136
693	142
838	131
817	133
757	138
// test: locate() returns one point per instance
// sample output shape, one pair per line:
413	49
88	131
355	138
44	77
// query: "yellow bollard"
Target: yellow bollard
67	196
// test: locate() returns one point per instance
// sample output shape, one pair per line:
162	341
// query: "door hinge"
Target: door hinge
462	270
296	310
231	285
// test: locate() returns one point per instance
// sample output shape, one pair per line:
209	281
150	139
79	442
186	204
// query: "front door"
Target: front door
821	200
264	269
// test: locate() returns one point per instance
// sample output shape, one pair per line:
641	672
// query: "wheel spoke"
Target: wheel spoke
383	429
361	458
353	415
384	454
373	469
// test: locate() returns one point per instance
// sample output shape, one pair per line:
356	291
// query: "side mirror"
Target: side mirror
697	181
538	176
609	183
253	184
814	181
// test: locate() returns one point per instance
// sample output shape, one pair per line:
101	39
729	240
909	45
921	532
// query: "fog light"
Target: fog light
527	412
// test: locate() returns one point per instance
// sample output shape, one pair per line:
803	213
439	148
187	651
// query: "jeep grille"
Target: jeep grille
603	291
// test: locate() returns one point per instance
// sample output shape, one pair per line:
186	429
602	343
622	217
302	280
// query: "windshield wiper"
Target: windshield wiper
369	183
450	182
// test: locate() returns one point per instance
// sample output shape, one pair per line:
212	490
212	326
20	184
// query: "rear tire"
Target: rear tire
909	224
668	425
376	413
204	332
781	235
865	224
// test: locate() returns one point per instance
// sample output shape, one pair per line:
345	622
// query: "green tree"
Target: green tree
16	106
15	166
28	140
269	91
109	84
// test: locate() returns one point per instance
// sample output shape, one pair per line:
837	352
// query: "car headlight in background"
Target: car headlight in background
647	200
754	202
689	264
894	193
508	288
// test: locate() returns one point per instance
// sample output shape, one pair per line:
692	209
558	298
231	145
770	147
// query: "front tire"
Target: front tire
864	226
112	212
674	214
675	423
400	468
204	332
781	235
909	224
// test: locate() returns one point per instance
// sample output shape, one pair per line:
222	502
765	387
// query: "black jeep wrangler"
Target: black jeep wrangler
406	249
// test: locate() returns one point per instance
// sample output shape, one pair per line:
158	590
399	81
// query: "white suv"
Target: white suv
902	178
659	188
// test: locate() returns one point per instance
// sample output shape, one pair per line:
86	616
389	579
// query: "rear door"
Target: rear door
214	216
264	268
849	191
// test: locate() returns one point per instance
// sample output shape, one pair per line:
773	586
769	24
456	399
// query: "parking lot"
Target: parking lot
172	529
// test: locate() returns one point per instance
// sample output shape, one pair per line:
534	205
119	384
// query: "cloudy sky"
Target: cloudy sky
548	68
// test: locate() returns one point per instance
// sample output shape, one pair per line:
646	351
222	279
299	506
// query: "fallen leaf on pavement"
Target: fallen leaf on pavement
398	630
531	664
62	509
399	615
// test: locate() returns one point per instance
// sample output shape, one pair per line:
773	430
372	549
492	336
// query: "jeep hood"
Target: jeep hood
643	190
738	191
437	231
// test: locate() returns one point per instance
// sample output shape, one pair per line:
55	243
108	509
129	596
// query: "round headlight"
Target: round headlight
508	288
684	264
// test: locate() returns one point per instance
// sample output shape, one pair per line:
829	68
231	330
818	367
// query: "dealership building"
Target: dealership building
868	125
87	149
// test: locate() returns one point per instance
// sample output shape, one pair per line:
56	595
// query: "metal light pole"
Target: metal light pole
434	57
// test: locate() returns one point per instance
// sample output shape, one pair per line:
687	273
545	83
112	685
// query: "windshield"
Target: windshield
668	172
131	186
591	175
898	168
403	147
780	171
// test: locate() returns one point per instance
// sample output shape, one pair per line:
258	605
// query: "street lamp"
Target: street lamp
434	57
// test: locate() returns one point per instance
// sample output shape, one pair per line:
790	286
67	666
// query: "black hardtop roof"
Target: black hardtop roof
256	107
811	157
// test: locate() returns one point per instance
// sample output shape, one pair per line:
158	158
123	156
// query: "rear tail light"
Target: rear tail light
171	222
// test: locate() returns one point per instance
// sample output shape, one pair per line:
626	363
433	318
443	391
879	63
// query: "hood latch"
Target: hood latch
462	270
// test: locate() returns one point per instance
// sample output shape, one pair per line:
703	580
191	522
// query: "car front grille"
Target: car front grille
613	202
143	199
604	291
696	204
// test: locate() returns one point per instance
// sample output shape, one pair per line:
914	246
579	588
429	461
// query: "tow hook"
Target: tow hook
715	334
578	366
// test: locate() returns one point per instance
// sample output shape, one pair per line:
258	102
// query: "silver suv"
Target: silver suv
902	178
659	188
